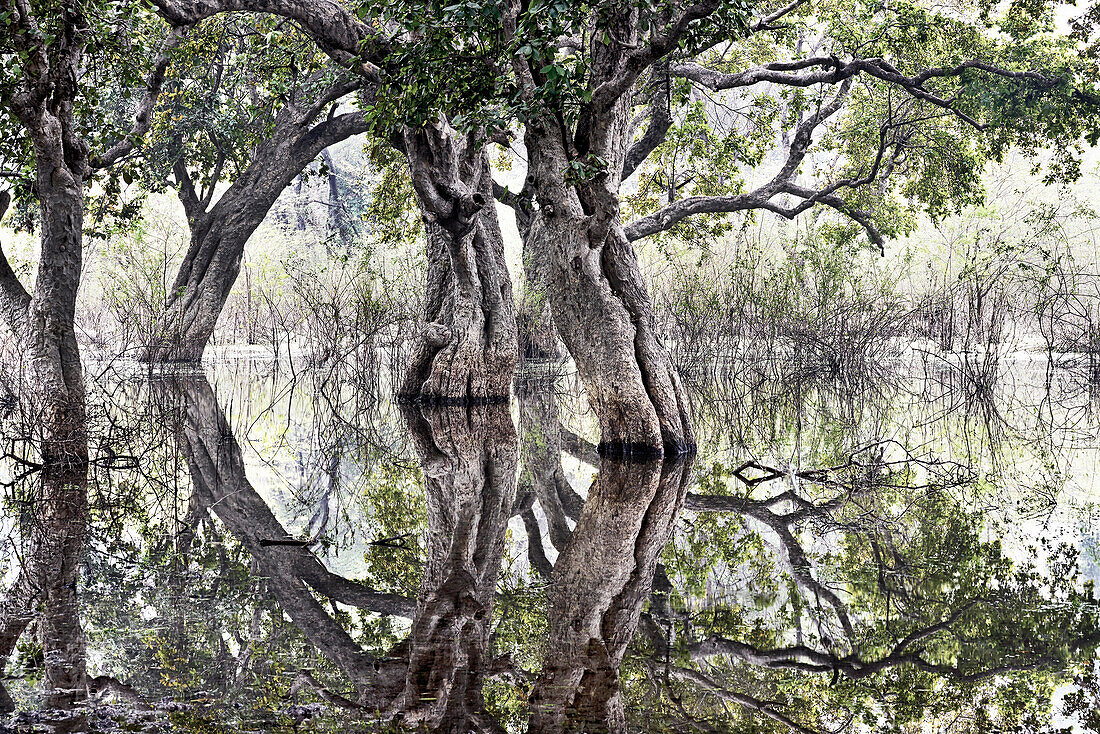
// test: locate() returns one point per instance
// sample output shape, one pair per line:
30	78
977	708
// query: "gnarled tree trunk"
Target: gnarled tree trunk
466	352
602	309
53	381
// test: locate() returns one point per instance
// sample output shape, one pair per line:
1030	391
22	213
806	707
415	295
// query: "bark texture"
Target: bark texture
42	323
597	589
469	460
596	289
602	310
538	338
466	351
220	232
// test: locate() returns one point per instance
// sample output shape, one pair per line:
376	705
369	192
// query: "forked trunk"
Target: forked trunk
466	352
219	235
42	322
202	287
599	299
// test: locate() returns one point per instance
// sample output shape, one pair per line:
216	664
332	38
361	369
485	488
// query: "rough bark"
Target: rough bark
42	322
538	338
219	234
42	99
602	310
597	590
469	459
466	351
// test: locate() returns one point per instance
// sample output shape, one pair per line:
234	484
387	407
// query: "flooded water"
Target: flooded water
265	549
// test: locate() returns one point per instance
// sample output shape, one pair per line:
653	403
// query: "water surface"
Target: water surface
262	548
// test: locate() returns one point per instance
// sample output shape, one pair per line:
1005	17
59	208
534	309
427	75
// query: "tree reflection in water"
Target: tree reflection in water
870	591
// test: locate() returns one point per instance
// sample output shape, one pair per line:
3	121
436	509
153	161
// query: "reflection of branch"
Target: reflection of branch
799	563
305	679
16	612
124	691
766	708
580	448
809	660
874	473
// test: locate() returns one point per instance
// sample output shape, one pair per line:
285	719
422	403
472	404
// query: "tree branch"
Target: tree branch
14	299
338	32
762	198
193	208
640	59
832	70
659	114
143	116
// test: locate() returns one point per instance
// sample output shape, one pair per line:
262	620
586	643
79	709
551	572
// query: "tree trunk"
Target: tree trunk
466	351
538	338
596	593
602	309
218	236
206	277
596	289
42	322
469	460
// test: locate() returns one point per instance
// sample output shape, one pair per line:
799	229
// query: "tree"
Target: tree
467	349
51	115
253	105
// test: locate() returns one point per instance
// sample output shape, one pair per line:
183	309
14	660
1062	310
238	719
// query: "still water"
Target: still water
262	548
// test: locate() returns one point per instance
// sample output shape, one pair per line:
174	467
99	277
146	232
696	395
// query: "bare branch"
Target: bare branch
762	198
831	71
767	23
659	114
765	708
